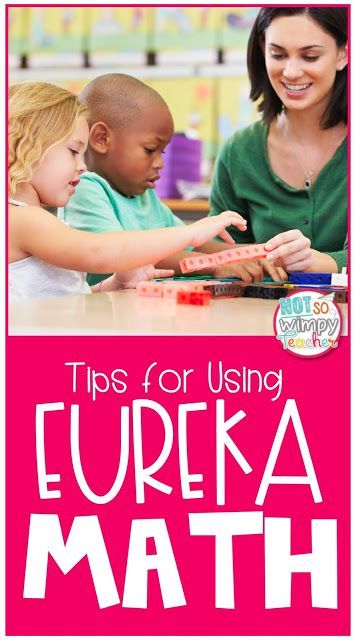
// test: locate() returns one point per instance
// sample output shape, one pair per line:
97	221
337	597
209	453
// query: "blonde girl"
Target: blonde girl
48	136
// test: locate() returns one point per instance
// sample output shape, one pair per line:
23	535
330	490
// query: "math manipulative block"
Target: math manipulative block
198	298
149	288
267	292
310	278
221	258
224	289
171	289
339	279
341	296
250	252
187	265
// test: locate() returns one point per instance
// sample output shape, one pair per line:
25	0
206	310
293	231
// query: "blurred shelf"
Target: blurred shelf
188	210
70	67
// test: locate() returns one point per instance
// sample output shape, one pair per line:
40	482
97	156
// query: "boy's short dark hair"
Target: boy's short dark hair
332	20
117	99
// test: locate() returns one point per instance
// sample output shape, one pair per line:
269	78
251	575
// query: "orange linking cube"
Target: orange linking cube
250	252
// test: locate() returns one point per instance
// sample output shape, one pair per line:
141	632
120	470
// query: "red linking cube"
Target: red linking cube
250	252
201	298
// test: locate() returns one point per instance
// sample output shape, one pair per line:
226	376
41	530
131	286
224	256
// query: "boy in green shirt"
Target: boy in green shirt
130	126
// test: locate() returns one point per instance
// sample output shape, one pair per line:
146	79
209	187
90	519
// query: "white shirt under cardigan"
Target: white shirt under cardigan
34	278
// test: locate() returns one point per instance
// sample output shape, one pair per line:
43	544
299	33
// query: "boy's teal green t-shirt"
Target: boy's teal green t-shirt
97	207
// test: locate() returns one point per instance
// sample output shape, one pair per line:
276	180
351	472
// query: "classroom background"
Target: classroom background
194	57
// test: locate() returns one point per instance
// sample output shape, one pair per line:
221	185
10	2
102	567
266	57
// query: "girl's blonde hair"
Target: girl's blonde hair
41	115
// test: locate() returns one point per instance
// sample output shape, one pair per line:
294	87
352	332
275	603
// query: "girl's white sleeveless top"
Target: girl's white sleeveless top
35	278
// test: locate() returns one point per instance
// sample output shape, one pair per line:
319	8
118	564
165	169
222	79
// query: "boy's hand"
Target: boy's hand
250	271
212	226
247	270
291	250
129	279
270	270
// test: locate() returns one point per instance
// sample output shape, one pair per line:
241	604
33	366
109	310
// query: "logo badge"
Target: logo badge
308	323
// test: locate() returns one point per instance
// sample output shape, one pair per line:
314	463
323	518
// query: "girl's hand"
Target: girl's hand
207	228
129	279
290	249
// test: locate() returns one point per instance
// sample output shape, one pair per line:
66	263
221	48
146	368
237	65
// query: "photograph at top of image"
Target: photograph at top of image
132	211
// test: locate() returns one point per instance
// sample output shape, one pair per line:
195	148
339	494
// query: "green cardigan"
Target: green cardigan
244	181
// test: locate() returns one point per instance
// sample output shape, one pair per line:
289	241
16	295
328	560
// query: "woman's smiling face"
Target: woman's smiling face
302	61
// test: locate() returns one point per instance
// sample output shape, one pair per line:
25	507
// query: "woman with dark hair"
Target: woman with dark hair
287	174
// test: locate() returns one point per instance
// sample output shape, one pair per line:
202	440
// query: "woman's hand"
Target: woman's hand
290	249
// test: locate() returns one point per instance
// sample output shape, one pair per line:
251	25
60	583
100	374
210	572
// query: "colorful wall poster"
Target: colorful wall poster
19	30
56	29
180	28
113	29
196	114
235	110
235	26
215	105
